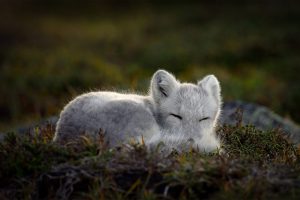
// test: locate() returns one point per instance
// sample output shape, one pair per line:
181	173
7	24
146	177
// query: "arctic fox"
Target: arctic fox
178	115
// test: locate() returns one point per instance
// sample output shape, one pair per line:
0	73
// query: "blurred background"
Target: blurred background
53	50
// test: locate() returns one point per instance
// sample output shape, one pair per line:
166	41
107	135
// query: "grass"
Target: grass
256	165
51	53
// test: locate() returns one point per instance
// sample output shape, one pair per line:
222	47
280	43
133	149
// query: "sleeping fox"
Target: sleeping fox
179	115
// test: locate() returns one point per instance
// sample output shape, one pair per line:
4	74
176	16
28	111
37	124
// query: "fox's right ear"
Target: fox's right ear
162	85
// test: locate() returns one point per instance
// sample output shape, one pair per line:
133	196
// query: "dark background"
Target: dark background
51	51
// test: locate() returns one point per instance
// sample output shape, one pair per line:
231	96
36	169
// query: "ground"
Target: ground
253	165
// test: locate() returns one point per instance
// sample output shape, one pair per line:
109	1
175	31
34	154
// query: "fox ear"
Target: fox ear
162	85
212	86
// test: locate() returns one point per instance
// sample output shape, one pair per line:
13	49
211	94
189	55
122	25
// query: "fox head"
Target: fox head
186	112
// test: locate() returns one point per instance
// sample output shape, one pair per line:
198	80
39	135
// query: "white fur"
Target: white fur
180	115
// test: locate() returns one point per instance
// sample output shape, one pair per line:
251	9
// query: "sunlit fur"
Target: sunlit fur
124	117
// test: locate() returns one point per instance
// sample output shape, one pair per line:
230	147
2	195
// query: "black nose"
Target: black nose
191	141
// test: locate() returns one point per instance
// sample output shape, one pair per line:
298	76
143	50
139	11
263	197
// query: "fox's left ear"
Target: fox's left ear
212	86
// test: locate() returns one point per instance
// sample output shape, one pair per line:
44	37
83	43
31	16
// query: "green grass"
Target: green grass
255	164
53	53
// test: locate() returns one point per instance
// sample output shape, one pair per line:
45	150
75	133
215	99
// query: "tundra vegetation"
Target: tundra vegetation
254	165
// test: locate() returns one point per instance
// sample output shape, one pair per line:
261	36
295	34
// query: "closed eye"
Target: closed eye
177	116
205	118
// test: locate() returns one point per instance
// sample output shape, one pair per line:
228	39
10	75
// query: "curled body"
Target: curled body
179	115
